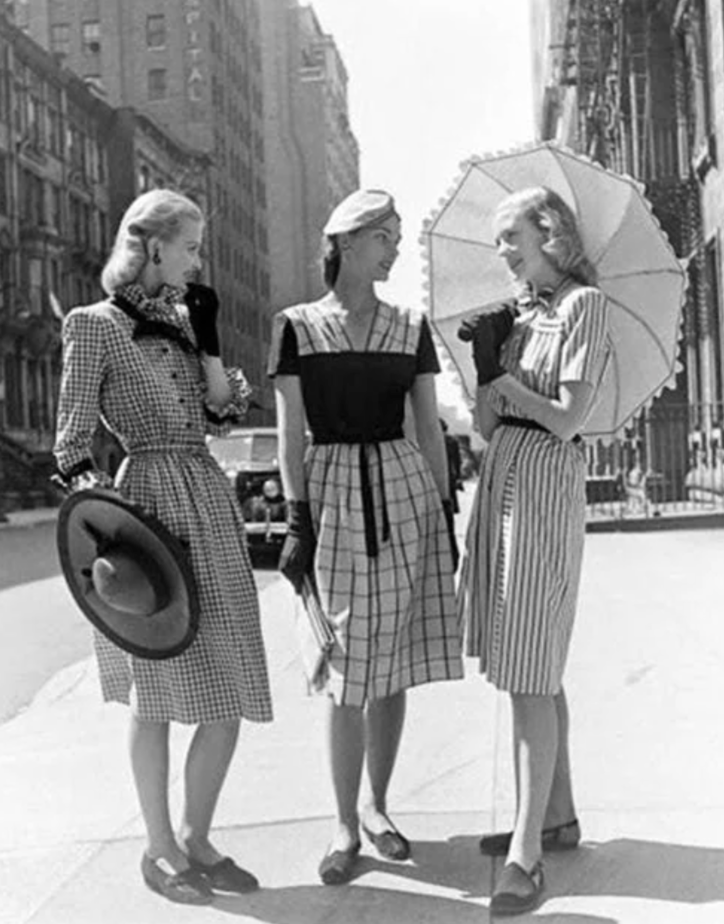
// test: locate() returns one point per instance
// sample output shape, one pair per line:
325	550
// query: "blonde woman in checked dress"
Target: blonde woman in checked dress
371	513
519	582
148	365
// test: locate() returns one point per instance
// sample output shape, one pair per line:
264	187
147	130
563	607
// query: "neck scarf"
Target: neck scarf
543	298
156	316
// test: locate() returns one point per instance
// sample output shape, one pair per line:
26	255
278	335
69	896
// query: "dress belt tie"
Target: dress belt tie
368	504
366	446
527	424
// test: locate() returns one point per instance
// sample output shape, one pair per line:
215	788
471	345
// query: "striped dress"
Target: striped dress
521	573
383	564
149	391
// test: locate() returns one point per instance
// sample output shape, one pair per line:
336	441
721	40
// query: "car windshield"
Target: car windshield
246	447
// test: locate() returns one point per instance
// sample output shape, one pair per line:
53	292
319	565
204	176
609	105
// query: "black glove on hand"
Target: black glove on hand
203	305
501	319
447	507
297	557
487	332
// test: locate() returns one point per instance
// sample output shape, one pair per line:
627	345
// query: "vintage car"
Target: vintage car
250	458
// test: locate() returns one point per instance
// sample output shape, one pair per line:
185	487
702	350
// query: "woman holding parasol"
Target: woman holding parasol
538	370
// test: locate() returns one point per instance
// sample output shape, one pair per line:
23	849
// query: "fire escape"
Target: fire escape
618	60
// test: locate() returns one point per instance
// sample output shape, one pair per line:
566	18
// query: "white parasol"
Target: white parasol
638	269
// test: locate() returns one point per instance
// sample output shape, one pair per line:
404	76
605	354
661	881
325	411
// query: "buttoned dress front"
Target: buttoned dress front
150	392
383	564
521	570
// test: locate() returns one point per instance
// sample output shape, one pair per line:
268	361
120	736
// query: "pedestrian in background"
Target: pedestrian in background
520	580
149	366
454	464
370	513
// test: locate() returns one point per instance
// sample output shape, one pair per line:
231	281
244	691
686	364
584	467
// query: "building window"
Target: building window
4	203
157	83
31	199
57	206
55	122
156	30
60	38
713	298
91	37
13	391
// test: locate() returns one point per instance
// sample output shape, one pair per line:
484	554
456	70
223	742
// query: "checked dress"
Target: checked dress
383	564
147	386
521	572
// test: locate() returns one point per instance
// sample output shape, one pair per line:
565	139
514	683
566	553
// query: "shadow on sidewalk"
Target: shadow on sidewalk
343	904
640	869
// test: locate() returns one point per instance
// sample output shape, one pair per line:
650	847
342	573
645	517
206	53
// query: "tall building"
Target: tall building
54	235
638	85
312	156
195	68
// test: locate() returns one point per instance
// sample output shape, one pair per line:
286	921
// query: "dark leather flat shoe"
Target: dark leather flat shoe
226	876
517	891
389	844
338	866
555	839
186	888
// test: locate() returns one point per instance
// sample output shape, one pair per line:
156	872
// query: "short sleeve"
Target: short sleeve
427	361
284	353
585	344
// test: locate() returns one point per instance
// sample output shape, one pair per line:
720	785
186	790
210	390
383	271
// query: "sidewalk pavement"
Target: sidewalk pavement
646	688
21	518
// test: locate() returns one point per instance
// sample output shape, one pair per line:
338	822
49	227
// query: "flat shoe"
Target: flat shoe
186	888
517	891
390	844
337	867
561	837
226	876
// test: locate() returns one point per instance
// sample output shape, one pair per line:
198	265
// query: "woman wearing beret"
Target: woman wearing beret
519	583
371	518
147	362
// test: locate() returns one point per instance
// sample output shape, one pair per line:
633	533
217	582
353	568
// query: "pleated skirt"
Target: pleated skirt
394	615
223	674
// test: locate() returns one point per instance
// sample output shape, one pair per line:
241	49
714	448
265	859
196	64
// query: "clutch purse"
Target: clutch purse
315	634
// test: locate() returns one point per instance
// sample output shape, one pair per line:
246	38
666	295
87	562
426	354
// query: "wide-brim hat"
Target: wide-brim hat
129	575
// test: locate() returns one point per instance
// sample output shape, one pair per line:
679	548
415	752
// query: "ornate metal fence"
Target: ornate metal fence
670	463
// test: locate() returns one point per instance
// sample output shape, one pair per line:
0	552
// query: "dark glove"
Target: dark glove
203	305
297	557
500	319
487	332
447	507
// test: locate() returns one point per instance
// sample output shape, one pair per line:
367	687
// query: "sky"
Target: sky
431	82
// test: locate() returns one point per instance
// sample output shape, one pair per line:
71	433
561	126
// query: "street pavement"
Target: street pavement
646	689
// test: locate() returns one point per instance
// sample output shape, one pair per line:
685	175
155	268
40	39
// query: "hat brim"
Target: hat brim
167	632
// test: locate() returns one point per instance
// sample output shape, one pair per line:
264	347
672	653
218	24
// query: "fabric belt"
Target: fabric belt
196	449
526	424
371	443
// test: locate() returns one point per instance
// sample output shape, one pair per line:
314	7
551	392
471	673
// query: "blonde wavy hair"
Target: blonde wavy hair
548	212
158	213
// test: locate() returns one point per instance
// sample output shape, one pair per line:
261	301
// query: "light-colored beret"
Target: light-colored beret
360	209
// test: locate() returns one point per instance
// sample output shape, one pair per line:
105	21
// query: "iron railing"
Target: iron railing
669	463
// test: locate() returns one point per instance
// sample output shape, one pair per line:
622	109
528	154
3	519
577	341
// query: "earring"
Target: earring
156	258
